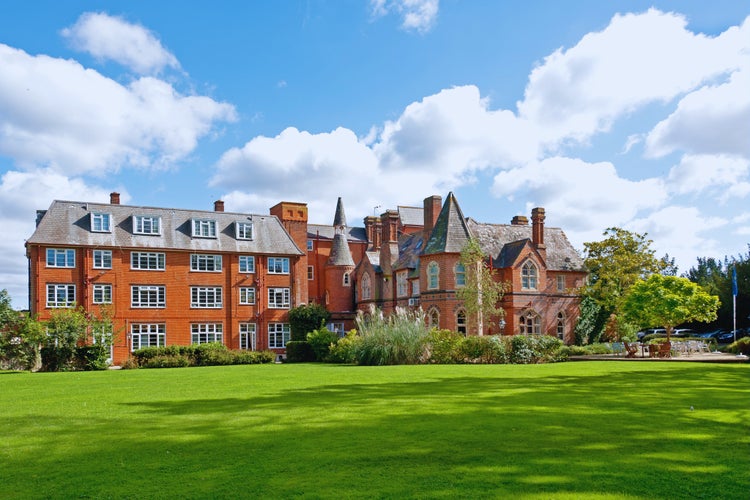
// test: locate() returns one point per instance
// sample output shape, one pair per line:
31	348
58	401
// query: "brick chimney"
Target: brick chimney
114	198
537	227
218	206
370	221
432	205
520	220
390	226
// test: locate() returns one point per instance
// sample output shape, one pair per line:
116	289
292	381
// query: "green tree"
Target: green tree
482	292
20	337
306	318
668	301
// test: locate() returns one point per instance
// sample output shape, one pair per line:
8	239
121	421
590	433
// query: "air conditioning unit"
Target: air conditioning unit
413	302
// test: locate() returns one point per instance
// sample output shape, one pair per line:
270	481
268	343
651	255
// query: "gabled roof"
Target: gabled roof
510	252
69	223
353	234
451	232
494	237
410	247
340	254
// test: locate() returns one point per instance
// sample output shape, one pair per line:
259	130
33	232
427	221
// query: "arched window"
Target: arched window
460	272
529	276
345	280
560	326
366	287
461	322
434	318
433	272
530	323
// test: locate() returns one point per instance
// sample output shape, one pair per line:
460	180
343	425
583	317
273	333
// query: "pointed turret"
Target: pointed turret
451	233
339	219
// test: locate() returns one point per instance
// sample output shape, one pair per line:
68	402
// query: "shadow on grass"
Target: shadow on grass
640	433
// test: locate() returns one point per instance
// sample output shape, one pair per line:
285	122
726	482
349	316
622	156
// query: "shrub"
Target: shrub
253	357
299	352
344	350
306	318
521	350
210	353
166	361
742	346
443	346
130	364
398	339
92	357
320	341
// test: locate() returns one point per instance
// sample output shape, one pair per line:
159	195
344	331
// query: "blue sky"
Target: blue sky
621	113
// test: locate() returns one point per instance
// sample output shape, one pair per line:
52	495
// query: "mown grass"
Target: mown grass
569	430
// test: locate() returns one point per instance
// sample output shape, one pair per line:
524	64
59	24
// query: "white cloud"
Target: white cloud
637	59
712	120
417	15
56	113
725	176
111	37
21	195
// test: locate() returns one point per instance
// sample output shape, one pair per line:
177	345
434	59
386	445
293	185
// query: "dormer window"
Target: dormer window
243	230
529	276
146	224
204	228
101	223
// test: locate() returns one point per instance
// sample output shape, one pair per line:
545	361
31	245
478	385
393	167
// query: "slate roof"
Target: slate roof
409	249
411	216
356	234
494	238
450	233
339	218
340	254
69	223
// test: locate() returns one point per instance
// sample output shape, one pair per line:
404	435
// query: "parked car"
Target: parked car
683	332
651	331
711	335
729	337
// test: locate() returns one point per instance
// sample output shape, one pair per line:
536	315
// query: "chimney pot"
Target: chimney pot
520	220
218	206
114	198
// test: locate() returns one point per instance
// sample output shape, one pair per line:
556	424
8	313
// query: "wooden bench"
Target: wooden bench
630	349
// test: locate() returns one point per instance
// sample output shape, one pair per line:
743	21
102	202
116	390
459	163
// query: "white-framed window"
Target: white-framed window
205	263
206	297
346	280
146	224
433	318
278	298
102	294
310	245
247	295
310	273
147	296
61	257
204	228
247	264
366	287
243	230
530	323
461	322
147	261
278	265
414	288
337	328
102	259
460	272
560	282
433	273
248	340
101	222
560	330
402	286
61	295
202	333
147	335
278	335
529	276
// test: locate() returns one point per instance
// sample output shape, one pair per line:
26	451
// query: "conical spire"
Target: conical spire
339	220
451	232
340	254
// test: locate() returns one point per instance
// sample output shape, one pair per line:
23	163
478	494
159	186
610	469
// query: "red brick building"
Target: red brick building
171	276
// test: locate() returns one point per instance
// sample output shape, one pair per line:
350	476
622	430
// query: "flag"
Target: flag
734	281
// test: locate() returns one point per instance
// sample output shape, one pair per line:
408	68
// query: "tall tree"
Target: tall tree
668	301
482	291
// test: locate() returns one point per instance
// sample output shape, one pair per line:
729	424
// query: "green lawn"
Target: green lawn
569	430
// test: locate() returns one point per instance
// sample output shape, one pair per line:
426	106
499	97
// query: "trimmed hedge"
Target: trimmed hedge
298	351
210	354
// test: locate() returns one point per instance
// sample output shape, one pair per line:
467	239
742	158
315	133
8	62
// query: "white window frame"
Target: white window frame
147	224
66	291
247	295
278	265
61	257
402	285
279	298
310	273
530	323
203	228
205	263
560	282
154	333
154	261
560	326
414	288
461	322
310	245
102	294
203	333
102	259
346	280
278	335
101	222
148	296
243	230
248	336
206	297
433	275
529	276
247	264
459	270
